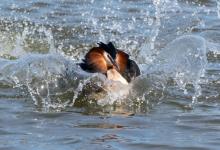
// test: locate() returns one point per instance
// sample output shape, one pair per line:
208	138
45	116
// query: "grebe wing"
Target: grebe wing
122	60
94	61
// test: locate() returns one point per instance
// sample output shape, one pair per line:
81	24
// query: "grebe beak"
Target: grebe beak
113	63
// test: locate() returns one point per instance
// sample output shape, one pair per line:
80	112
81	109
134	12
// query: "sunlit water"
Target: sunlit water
48	102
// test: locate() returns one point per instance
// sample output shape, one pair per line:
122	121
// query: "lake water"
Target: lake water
48	102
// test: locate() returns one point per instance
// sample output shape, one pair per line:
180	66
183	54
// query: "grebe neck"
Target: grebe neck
114	75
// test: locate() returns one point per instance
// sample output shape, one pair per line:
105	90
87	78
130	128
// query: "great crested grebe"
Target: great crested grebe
114	63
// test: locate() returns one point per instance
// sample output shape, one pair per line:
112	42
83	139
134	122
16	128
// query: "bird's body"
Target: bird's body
114	63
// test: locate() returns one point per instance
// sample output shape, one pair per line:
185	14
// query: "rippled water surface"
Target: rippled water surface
48	102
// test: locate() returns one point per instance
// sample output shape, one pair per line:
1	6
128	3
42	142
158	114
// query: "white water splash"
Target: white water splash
27	41
185	60
147	51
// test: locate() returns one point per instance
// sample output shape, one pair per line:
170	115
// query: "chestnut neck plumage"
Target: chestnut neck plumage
113	74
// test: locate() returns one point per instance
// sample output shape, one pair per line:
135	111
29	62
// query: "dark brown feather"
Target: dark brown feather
94	61
127	67
122	60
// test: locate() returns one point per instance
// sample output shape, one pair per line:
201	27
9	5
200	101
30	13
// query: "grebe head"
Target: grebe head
110	61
